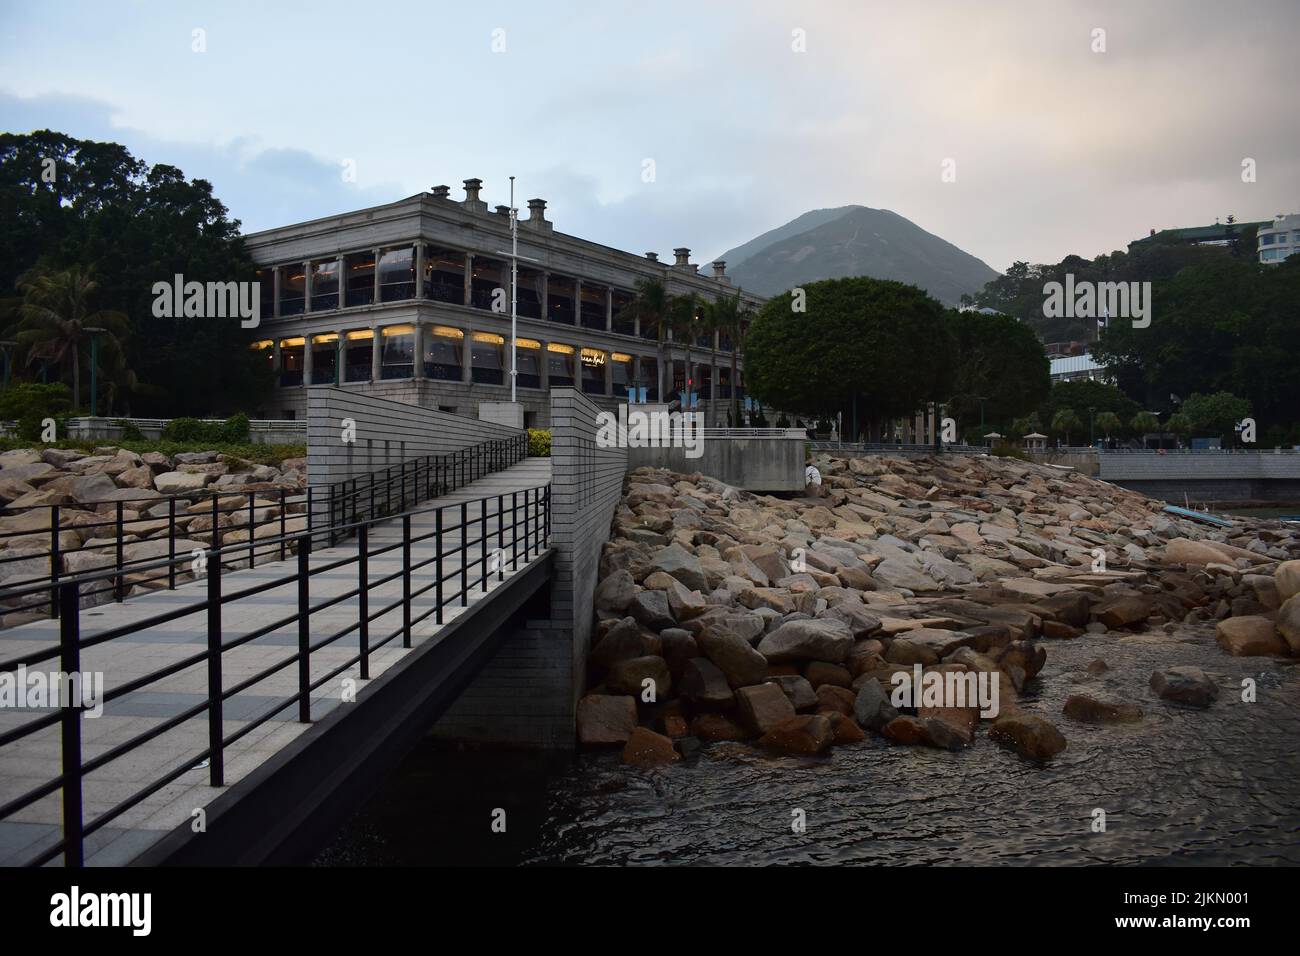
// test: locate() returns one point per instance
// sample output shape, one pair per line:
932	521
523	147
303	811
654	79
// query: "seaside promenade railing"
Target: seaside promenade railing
264	522
447	576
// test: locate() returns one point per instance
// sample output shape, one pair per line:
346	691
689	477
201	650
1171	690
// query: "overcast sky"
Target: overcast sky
1057	149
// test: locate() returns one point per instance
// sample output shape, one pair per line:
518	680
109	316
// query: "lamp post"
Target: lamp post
7	345
94	368
1092	412
514	289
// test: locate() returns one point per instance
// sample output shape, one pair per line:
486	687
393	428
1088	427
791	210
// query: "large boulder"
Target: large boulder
801	693
181	482
896	573
1094	710
651	609
1288	622
804	734
606	719
621	642
1028	735
734	656
1185	685
1288	579
631	676
817	640
682	565
645	749
861	621
762	706
86	489
615	592
704	685
1250	636
1123	610
871	708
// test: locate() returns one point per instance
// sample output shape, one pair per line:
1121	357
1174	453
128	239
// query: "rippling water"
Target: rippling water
1180	787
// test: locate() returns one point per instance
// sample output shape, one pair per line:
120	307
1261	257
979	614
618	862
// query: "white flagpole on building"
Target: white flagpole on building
514	289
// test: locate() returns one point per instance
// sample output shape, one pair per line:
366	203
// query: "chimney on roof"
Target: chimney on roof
503	211
441	192
472	202
683	256
652	256
720	271
537	216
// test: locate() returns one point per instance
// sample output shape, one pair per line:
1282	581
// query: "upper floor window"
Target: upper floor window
293	289
324	284
444	275
397	274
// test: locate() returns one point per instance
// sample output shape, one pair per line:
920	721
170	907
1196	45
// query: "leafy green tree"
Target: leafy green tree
1144	422
1215	415
1180	425
136	225
1000	360
1087	394
723	316
684	319
874	346
1066	421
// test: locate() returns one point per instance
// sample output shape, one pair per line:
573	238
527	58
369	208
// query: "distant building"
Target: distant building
1076	368
1279	238
1219	234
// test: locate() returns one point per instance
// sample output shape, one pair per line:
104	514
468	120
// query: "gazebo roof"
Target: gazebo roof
1035	435
993	435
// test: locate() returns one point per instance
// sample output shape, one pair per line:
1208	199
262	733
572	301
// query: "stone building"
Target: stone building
354	299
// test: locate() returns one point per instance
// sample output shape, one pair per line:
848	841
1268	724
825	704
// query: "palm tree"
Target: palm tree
652	306
736	333
1066	421
1142	423
685	311
1109	423
55	314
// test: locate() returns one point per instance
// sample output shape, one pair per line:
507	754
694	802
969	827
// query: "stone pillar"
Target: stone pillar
275	285
376	276
469	276
609	370
577	304
340	349
467	357
275	354
376	355
419	271
417	345
636	371
306	359
306	286
609	308
546	295
343	281
544	372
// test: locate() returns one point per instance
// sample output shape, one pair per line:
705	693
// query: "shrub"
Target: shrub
782	421
233	431
130	431
1008	451
539	443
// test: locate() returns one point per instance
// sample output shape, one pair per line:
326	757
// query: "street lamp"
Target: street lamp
1092	440
94	367
7	345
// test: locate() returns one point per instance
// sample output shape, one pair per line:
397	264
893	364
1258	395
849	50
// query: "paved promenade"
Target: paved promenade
34	760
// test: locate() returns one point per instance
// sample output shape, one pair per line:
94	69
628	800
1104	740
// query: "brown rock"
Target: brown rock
1249	637
844	729
645	748
1091	710
819	673
1288	621
830	697
1028	735
631	676
605	719
763	706
1125	610
802	734
716	727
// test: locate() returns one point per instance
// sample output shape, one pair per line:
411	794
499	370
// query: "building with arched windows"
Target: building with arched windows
411	301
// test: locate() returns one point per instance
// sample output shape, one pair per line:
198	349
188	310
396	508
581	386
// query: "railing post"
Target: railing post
284	521
406	580
547	526
56	560
483	541
252	533
171	544
304	632
464	553
70	661
121	555
437	550
501	536
216	524
514	530
403	479
363	597
216	763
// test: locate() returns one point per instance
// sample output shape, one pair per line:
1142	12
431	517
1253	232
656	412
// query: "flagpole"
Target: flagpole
514	288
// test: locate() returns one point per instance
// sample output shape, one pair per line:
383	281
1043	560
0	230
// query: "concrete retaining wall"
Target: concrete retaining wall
387	433
761	464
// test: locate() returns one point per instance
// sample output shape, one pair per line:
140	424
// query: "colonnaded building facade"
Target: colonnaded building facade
411	301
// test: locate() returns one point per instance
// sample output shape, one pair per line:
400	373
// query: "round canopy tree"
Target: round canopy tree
874	346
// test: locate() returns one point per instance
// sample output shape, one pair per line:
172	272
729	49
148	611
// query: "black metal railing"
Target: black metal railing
392	490
264	523
469	544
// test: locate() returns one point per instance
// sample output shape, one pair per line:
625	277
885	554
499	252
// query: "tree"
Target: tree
1066	421
1109	423
56	311
871	344
1144	422
1215	415
1180	425
1087	394
1000	361
135	225
721	317
652	307
684	314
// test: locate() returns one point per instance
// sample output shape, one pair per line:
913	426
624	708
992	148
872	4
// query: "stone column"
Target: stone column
275	285
544	372
636	371
609	308
419	270
275	354
340	346
343	281
306	287
376	356
467	357
546	295
469	276
417	345
306	359
376	276
609	369
577	304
